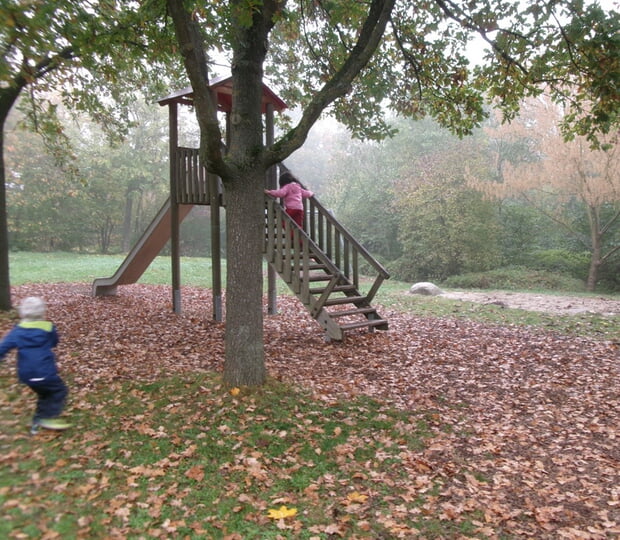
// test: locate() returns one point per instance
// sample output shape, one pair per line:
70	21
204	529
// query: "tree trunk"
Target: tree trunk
8	96
126	239
5	282
595	261
595	246
245	357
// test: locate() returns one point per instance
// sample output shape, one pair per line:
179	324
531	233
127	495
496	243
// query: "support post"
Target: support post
174	210
272	307
216	257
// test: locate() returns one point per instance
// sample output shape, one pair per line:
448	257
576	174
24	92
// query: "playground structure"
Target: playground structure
320	263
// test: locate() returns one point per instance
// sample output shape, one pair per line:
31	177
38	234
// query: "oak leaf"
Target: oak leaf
281	513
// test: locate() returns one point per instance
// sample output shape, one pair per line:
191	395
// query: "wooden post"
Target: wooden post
174	209
216	258
215	199
272	307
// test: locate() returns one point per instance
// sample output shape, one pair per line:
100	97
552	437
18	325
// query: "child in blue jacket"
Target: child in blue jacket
34	338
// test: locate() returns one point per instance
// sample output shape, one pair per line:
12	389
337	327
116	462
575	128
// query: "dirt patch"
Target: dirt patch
559	305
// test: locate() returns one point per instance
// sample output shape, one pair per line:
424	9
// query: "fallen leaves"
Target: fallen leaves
281	513
196	473
534	445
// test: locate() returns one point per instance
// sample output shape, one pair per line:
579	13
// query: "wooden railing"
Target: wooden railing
324	241
341	247
193	184
326	238
294	255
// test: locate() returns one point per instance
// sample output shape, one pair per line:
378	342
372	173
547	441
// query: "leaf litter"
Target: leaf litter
532	442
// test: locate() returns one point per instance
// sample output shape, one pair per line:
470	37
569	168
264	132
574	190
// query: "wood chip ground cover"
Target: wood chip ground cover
524	423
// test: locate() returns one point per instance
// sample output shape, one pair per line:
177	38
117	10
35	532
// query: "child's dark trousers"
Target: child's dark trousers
52	395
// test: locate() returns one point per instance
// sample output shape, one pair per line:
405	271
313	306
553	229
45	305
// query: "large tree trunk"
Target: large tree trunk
5	282
8	97
245	363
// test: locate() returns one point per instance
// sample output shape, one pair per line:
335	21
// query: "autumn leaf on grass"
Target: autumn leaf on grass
356	497
234	391
282	512
196	473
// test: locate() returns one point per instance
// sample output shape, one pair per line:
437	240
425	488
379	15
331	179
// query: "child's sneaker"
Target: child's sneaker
34	428
54	423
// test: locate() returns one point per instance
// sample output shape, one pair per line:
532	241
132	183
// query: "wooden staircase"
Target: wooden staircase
321	265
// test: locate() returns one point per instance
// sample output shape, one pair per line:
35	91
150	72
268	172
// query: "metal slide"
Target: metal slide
142	254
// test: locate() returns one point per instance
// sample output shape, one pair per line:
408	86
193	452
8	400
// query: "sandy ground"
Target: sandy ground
563	305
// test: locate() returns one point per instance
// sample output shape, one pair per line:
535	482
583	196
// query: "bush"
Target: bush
560	260
517	278
609	275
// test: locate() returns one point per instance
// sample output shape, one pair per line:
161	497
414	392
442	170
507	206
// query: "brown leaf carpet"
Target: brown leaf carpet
534	440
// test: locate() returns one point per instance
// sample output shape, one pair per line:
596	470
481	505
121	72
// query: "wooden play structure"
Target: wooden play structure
321	263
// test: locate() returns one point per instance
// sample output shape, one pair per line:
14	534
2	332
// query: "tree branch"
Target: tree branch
194	58
469	23
338	86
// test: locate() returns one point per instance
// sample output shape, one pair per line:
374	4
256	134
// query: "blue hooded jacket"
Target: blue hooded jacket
34	341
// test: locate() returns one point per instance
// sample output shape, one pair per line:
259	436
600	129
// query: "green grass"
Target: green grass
196	271
183	458
393	295
76	268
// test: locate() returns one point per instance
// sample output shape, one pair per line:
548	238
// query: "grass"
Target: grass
591	325
76	268
196	271
184	458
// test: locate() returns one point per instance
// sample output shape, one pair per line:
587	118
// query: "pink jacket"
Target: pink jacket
292	195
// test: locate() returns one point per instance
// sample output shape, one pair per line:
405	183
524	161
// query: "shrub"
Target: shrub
560	260
515	278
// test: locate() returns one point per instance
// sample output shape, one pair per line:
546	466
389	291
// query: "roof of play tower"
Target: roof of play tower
223	90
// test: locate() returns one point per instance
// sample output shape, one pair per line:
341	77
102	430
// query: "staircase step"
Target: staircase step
362	324
318	277
337	288
346	313
345	300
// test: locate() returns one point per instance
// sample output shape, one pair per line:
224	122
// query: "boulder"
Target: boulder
425	288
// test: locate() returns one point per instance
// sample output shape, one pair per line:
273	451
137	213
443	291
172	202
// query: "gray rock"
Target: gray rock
425	288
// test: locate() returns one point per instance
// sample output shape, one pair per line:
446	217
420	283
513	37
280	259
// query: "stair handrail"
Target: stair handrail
288	247
326	214
355	243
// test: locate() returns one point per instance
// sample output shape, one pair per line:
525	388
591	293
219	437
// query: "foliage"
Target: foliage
516	279
93	56
108	185
524	230
445	227
561	261
609	277
562	180
97	56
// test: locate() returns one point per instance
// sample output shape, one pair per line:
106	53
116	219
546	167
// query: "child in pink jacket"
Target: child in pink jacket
292	195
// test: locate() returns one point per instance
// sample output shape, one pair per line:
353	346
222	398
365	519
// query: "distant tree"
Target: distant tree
111	184
445	227
363	175
556	175
98	54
